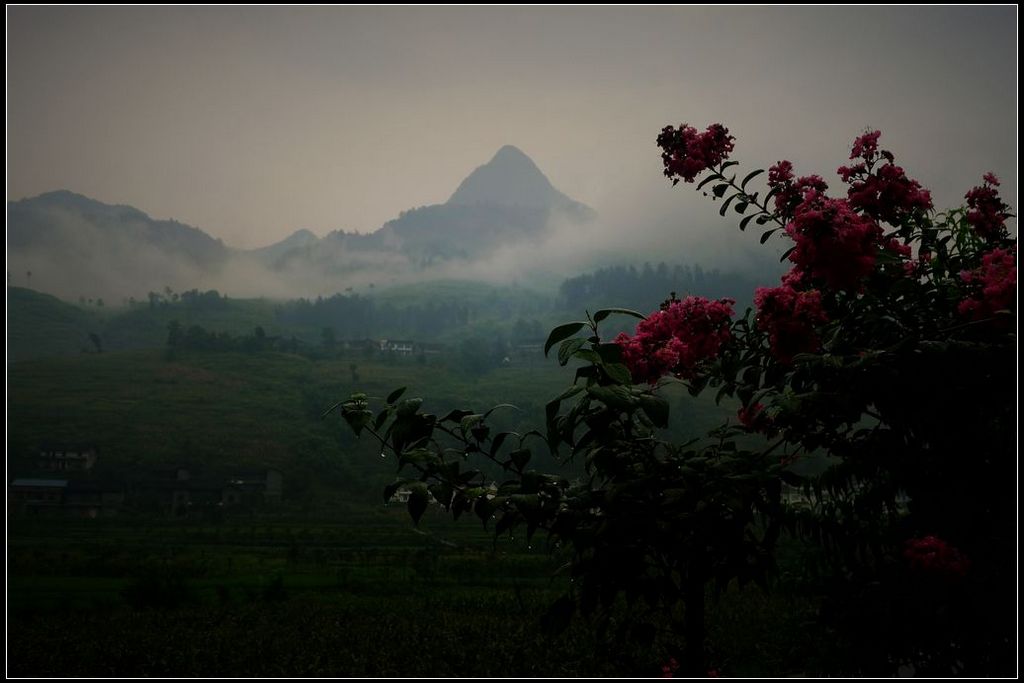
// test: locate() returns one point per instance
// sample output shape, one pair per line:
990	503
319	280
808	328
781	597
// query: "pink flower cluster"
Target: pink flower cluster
834	243
687	152
669	668
837	240
932	555
885	193
789	193
995	282
986	211
866	146
789	317
755	419
675	339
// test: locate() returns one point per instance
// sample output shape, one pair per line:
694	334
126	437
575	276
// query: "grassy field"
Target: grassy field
334	583
366	596
237	410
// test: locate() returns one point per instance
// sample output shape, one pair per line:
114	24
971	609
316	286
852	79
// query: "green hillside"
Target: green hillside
225	411
40	325
145	327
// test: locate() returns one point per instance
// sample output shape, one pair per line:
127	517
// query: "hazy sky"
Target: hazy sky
253	122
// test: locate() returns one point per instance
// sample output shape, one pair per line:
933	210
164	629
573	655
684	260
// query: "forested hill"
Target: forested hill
644	288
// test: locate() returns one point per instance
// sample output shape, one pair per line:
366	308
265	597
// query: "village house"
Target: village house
93	498
400	347
64	498
36	496
55	457
253	488
176	492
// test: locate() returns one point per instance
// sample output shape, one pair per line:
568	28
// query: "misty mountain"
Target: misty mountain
511	179
296	240
63	220
507	200
75	246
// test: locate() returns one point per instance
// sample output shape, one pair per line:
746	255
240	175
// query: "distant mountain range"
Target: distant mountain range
70	245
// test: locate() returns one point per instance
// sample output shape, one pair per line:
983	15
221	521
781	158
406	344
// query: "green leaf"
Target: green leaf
507	522
763	218
483	508
766	234
696	385
417	456
787	253
741	207
791	478
719	190
743	223
605	312
727	164
390	489
711	178
520	458
499	406
656	408
394	395
568	348
418	500
460	504
613	396
408	407
610	352
751	176
562	332
498	440
551	409
456	415
618	373
725	204
568	393
357	419
469	421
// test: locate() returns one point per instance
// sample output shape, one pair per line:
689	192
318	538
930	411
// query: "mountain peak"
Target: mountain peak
301	235
511	154
510	178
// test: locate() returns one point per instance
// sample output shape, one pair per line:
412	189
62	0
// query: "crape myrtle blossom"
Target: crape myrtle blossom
789	193
687	152
677	338
754	418
790	318
885	192
986	211
866	146
994	284
834	243
935	557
